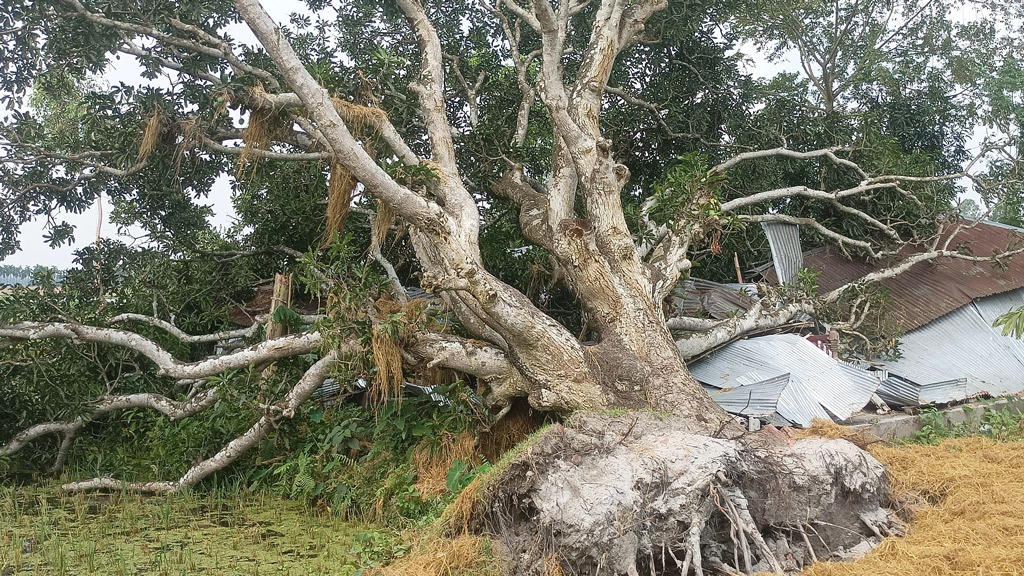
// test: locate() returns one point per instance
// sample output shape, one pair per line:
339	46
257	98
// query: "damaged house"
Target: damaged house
949	350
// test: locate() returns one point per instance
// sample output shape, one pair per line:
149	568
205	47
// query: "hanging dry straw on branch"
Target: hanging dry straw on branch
385	219
387	385
340	186
256	136
191	138
359	118
150	135
387	355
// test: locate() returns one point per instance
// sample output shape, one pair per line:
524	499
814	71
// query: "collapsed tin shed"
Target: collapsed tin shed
958	355
817	385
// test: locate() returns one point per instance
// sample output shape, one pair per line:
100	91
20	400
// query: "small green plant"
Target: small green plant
462	473
1003	424
935	427
807	281
999	423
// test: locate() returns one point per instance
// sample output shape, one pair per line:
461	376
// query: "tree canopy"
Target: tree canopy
511	191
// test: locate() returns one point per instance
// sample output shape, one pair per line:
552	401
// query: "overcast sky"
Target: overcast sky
126	69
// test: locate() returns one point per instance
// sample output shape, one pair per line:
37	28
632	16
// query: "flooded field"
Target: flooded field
46	531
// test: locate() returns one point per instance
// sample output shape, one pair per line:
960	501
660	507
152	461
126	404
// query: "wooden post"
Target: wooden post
736	262
282	296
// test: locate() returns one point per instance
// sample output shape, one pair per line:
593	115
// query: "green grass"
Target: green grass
999	423
46	531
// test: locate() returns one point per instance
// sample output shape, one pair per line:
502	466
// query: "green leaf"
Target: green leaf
455	474
1012	323
285	315
316	414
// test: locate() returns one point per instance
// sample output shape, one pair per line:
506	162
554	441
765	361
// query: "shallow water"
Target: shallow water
45	531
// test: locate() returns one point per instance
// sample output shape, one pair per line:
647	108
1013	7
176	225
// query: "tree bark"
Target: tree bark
640	494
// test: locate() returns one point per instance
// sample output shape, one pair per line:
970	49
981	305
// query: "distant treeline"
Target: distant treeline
15	275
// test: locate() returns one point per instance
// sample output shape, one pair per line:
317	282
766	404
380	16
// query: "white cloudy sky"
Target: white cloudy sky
126	69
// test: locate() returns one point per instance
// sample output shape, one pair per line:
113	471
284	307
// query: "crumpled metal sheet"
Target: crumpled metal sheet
963	345
819	386
787	255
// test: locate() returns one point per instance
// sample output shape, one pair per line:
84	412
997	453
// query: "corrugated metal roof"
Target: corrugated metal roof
332	388
697	297
817	381
930	289
799	403
759	400
964	345
897	391
787	255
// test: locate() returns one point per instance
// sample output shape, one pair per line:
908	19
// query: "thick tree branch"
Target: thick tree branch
430	89
167	365
181	335
485	361
533	206
284	409
710	336
172	409
405	202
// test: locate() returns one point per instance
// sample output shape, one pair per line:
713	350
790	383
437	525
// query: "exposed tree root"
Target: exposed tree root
637	494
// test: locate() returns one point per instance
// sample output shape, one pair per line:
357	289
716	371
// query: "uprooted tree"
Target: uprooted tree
610	144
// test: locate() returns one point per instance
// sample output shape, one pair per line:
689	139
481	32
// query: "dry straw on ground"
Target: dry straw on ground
828	429
432	462
464	555
974	524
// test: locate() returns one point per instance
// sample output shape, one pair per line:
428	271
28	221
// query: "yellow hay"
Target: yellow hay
385	340
437	376
824	428
457	516
359	118
387	385
381	225
256	137
191	138
150	135
433	462
340	186
973	525
437	556
506	433
257	134
552	566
